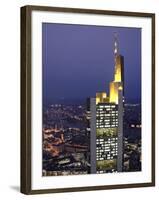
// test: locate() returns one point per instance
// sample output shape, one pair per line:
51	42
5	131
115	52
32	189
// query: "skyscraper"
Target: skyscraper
105	116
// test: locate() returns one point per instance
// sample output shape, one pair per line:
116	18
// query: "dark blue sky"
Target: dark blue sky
78	60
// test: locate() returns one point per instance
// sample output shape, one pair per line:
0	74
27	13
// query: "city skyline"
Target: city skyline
96	137
80	62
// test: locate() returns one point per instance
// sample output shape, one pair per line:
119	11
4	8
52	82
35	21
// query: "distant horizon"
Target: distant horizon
83	101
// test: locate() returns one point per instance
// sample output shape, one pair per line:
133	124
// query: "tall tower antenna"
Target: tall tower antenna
116	44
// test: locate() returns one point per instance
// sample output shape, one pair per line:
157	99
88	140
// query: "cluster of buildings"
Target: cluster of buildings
65	141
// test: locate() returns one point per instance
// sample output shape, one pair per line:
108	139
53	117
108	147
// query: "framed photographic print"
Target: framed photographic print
87	99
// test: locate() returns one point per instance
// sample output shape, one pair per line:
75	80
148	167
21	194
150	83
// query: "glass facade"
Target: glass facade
106	137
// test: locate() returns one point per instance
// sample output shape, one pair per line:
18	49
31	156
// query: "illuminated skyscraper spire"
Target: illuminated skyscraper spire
118	73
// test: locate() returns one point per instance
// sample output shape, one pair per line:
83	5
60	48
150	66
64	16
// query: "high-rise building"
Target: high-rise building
106	137
105	117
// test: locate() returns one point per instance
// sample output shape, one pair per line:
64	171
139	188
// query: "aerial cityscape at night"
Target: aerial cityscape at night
91	101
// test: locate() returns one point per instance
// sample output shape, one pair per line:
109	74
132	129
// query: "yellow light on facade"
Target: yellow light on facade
97	100
118	69
120	88
101	97
104	95
117	77
114	92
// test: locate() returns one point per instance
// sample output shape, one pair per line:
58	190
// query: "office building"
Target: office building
105	122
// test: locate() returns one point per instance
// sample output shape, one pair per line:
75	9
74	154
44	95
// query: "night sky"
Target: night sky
78	61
